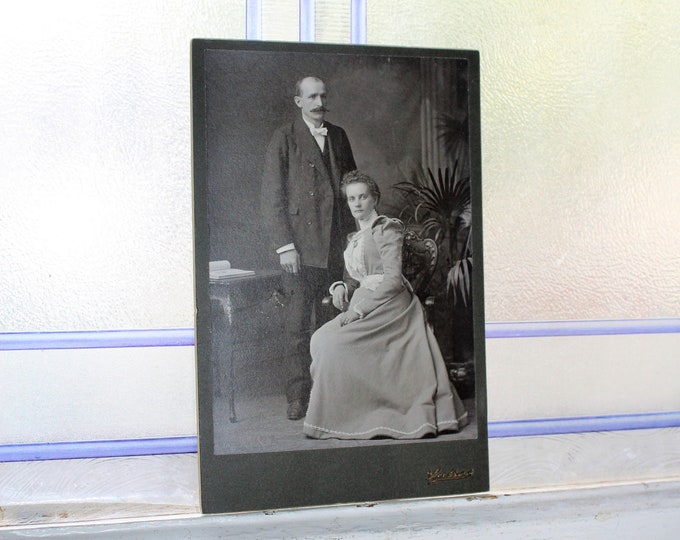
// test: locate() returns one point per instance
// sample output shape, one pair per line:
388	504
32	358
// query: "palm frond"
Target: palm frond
438	186
452	130
459	280
438	202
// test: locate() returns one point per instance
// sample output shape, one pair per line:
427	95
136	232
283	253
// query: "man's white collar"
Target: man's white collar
311	126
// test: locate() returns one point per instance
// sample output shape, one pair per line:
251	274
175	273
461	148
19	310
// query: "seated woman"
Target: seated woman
377	370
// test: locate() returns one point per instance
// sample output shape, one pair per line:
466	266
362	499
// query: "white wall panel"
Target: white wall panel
118	488
85	489
580	149
579	107
333	21
551	377
280	20
581	146
97	394
95	172
143	392
579	459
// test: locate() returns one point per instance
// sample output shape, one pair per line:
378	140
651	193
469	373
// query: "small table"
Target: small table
234	299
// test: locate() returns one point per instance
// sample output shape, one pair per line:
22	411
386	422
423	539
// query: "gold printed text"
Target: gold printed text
446	476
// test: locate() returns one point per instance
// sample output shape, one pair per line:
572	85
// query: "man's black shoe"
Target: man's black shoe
296	410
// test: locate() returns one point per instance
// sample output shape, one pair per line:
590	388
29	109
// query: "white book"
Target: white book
223	270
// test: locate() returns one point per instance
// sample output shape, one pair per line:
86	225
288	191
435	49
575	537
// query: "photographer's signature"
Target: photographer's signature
440	476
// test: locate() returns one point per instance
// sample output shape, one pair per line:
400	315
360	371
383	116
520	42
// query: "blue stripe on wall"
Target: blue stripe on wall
307	20
581	328
358	22
97	449
171	337
188	445
584	424
253	19
106	339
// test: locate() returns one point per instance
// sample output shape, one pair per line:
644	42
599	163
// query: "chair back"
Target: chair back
419	259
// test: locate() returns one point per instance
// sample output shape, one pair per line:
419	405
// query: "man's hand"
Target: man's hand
290	261
349	317
340	298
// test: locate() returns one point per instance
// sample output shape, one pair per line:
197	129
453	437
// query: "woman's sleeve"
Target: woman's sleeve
388	235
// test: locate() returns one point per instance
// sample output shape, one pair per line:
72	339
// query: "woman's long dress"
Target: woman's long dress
382	375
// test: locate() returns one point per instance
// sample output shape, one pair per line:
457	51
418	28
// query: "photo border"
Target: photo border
274	480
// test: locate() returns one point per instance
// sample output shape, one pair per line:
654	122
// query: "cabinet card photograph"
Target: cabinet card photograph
338	271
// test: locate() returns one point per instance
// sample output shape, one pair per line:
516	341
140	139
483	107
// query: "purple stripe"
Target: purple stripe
172	337
581	328
584	424
106	339
98	449
307	20
253	19
358	22
188	445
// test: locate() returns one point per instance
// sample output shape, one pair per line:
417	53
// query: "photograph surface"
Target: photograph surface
338	261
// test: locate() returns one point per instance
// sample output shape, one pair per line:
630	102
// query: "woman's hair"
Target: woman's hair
358	177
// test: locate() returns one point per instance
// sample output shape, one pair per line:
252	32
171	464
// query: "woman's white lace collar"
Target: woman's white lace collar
363	225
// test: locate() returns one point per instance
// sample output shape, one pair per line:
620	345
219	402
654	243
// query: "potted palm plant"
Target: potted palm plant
438	203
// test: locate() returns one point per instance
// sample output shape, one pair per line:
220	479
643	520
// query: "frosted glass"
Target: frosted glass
580	136
580	145
97	394
578	376
95	172
280	20
333	21
580	131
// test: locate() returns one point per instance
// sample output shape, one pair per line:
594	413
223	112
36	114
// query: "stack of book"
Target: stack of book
222	270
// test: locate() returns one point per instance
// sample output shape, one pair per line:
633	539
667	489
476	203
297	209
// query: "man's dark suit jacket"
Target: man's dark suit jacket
299	193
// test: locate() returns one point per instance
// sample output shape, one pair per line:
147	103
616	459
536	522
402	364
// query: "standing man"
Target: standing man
307	222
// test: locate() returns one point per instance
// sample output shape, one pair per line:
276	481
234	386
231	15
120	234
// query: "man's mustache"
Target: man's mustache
320	109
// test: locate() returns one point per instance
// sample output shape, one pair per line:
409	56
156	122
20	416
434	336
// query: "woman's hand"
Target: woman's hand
348	317
340	298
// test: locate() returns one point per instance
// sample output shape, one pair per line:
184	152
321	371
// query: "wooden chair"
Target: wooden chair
419	261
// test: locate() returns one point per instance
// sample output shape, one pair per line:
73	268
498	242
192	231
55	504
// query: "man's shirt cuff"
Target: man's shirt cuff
337	284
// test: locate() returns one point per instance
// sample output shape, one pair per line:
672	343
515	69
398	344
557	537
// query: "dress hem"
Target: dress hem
318	432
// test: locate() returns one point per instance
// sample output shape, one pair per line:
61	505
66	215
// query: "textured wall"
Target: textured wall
580	146
580	134
95	174
578	107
